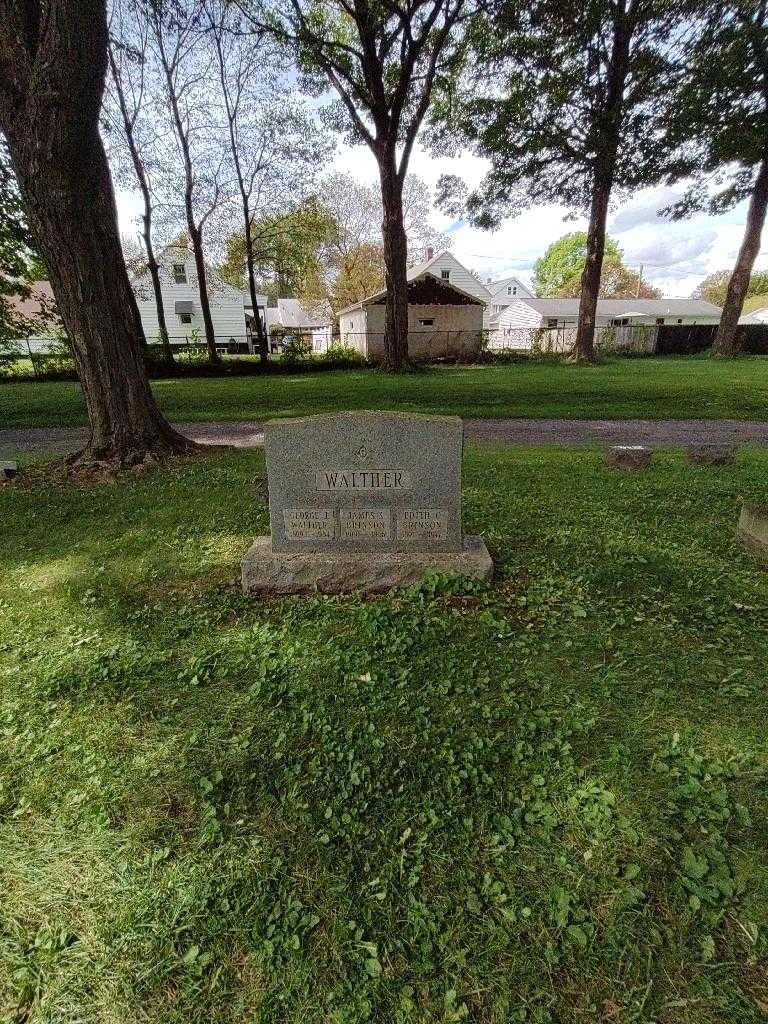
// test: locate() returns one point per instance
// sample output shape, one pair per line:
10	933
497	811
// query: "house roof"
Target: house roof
260	299
495	285
417	274
626	307
419	268
293	313
40	301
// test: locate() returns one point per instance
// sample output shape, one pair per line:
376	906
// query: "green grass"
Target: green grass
616	389
545	801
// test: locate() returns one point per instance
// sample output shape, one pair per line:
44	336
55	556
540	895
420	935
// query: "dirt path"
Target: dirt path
656	433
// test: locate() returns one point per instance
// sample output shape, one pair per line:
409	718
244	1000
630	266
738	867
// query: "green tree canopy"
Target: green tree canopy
567	101
559	271
287	250
714	287
19	264
719	127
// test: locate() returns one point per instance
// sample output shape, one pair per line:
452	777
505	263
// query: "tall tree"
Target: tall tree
186	68
382	59
714	287
274	146
721	123
16	254
287	249
351	264
53	63
567	101
128	111
560	271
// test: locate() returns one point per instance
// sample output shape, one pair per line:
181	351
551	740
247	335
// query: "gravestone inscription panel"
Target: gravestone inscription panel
365	482
362	501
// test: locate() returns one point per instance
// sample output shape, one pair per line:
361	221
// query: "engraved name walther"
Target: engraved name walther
362	480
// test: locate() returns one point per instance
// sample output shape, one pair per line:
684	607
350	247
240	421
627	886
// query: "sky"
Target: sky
674	256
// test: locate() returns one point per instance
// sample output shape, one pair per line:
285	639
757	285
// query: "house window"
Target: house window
186	318
680	320
620	321
552	321
428	322
445	274
659	321
512	289
179	273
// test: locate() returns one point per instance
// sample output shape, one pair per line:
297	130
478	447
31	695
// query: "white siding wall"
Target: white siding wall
499	291
461	277
352	330
227	311
456	330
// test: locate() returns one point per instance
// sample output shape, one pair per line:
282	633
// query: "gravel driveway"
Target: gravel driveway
656	433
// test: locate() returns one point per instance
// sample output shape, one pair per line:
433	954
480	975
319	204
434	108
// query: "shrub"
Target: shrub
343	355
295	348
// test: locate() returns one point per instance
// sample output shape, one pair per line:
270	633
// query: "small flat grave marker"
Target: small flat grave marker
362	501
628	456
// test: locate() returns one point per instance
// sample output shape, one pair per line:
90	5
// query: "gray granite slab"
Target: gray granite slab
365	482
266	571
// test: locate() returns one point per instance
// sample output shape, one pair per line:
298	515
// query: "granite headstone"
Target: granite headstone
362	501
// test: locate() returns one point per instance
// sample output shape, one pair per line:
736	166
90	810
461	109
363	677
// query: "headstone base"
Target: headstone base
712	454
628	456
269	572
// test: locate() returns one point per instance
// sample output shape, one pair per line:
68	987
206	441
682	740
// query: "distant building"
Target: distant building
506	291
293	318
526	314
181	301
444	318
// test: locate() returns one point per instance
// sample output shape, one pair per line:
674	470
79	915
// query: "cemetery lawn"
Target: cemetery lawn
687	388
545	800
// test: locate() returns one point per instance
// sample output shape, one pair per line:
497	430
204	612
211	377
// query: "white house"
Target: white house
504	292
514	326
445	266
292	317
444	319
181	300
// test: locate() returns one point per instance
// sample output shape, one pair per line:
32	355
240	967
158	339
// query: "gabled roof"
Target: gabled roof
625	307
502	281
416	274
419	268
293	313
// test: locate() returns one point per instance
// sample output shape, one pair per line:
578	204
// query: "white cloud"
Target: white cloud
674	255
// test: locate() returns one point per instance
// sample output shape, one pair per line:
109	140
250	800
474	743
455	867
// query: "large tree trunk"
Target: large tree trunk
261	333
52	72
395	266
72	214
584	347
609	133
727	342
